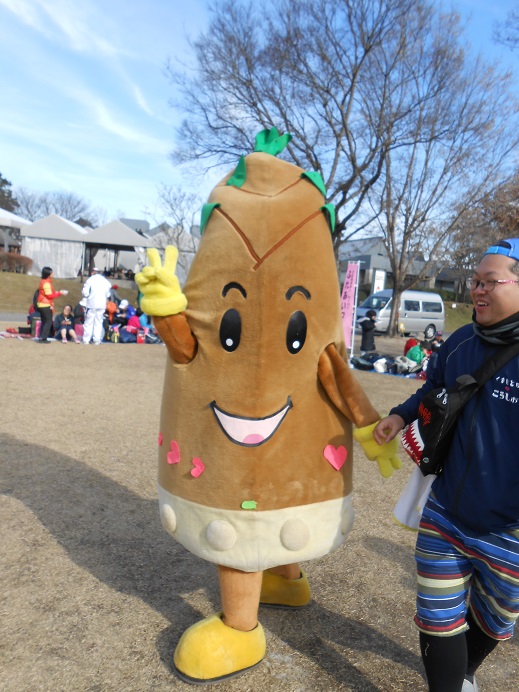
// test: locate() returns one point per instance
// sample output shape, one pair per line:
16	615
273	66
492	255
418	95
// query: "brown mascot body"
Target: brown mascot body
255	462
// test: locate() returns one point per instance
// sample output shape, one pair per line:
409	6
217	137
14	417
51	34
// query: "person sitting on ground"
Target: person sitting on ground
409	344
433	358
33	312
114	296
420	353
111	311
121	316
367	324
144	319
130	331
438	337
64	325
130	311
79	312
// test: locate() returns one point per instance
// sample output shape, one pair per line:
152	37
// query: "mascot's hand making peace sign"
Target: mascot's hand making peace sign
255	440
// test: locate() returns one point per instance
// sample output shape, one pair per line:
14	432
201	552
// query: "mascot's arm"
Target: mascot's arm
162	298
348	396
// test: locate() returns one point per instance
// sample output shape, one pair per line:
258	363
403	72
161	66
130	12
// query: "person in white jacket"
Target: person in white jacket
96	292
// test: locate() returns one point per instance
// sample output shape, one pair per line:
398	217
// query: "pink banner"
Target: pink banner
348	298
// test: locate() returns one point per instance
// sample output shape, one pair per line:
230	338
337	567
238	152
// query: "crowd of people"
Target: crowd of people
416	358
100	316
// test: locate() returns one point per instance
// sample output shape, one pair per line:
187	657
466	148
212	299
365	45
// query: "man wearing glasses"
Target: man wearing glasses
467	550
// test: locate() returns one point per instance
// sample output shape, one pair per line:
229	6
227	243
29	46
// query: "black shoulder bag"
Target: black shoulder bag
428	438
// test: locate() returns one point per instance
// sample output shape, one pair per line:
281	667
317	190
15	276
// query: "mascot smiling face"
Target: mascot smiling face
248	429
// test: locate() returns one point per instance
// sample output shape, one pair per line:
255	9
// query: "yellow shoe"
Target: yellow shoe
284	593
210	651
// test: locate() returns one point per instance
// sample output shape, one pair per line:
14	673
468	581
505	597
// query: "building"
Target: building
10	225
375	269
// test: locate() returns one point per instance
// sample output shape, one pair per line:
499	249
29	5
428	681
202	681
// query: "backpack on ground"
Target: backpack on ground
404	365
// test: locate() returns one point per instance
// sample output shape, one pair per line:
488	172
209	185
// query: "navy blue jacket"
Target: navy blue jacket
479	485
368	334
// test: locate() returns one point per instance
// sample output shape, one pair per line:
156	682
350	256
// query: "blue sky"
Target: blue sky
84	101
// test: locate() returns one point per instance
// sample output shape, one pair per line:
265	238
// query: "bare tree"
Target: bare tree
65	204
68	205
464	121
406	129
507	33
179	211
324	70
493	217
29	204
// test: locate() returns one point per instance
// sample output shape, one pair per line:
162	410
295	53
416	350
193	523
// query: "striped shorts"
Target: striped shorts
457	571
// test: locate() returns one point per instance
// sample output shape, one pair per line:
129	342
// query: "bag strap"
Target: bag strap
494	363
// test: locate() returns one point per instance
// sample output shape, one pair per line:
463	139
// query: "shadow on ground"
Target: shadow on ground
116	535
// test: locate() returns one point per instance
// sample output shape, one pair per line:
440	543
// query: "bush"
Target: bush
13	262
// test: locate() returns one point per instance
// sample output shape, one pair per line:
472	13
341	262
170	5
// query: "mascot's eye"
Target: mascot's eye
230	330
296	332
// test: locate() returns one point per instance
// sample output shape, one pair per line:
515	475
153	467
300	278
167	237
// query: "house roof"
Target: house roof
117	234
10	220
139	225
54	227
362	246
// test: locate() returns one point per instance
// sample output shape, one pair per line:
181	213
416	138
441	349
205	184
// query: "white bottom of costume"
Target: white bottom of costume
252	541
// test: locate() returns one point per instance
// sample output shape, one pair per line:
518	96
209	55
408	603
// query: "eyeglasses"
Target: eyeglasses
489	285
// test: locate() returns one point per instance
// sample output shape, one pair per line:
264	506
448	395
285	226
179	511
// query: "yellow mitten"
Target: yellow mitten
385	455
162	295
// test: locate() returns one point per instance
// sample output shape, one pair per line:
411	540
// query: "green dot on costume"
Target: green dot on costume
207	210
316	179
248	504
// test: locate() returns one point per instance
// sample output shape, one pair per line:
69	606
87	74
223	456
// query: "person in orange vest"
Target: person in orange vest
45	302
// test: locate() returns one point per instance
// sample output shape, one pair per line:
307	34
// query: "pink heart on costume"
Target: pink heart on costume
336	456
173	457
161	439
199	467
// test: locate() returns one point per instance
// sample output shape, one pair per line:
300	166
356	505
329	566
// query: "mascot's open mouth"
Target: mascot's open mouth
250	432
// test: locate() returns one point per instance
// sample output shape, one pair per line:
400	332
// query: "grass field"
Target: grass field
16	291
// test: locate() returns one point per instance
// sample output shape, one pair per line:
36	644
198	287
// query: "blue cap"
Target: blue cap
508	248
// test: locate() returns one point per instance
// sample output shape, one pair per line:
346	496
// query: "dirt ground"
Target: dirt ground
95	594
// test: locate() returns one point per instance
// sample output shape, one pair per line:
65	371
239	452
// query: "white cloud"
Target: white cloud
76	22
114	124
25	11
141	101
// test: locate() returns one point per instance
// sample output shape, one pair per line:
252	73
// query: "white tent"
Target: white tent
115	244
10	220
10	225
54	242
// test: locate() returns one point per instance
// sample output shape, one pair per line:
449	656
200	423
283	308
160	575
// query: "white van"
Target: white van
419	311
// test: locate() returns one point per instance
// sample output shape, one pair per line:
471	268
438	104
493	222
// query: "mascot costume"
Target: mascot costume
255	441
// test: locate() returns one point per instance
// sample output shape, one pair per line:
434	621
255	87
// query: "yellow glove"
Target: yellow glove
385	455
162	295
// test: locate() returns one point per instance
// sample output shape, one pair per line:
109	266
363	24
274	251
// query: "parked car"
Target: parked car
418	312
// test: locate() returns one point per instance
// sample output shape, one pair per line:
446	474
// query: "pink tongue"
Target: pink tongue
253	439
